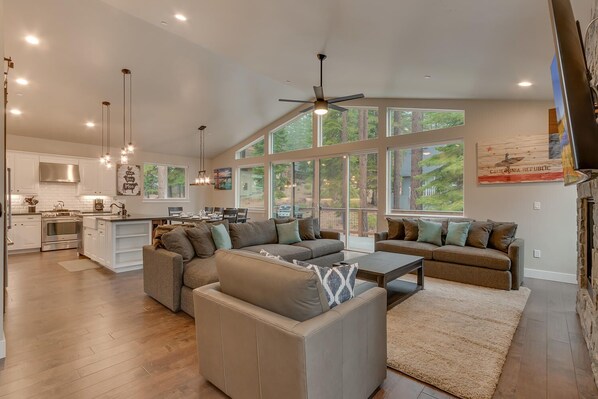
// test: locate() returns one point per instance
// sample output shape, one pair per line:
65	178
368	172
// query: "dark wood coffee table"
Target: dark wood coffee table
384	268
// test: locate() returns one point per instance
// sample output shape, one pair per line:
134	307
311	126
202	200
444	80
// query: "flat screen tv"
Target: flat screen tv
573	96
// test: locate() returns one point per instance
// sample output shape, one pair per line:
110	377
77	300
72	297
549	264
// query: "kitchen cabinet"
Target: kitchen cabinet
96	179
24	172
25	232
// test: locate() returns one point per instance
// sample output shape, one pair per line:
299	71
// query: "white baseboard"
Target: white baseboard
552	276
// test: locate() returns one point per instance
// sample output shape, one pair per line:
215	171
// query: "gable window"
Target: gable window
356	124
252	150
251	187
163	182
297	134
403	121
426	179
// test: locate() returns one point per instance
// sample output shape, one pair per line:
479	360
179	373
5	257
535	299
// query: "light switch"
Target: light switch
537	205
537	253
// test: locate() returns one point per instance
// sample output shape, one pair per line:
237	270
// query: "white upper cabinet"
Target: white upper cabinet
108	182
96	179
24	173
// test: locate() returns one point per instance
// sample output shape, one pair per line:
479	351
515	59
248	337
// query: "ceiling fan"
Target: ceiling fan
321	104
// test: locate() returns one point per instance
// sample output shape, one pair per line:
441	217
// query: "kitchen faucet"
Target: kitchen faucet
59	205
122	212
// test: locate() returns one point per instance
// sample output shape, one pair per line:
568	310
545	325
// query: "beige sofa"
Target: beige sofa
265	331
170	280
485	267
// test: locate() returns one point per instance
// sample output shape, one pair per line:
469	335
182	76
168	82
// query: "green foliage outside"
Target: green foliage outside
295	135
403	120
254	150
333	122
175	184
150	180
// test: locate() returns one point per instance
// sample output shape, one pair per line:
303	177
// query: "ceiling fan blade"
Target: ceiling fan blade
306	109
319	92
337	108
345	98
295	101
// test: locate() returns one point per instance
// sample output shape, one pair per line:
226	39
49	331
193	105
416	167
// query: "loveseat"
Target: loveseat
491	257
266	331
170	276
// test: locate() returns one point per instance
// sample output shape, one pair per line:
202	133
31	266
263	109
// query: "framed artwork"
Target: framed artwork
524	159
223	179
128	180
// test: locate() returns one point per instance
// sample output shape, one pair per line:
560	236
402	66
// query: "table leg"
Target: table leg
420	276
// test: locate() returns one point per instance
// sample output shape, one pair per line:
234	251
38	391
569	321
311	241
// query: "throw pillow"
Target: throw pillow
177	241
338	282
288	233
317	231
457	233
163	229
503	233
396	229
267	254
479	233
429	231
306	229
411	229
221	237
201	239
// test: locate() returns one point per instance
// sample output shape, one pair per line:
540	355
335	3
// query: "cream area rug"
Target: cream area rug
454	336
78	265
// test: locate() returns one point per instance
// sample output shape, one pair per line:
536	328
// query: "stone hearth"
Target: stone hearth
587	266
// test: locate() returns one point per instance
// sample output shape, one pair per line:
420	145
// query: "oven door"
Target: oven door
59	229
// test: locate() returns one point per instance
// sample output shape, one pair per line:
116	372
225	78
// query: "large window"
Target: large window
255	149
251	187
293	189
297	134
426	179
356	124
407	121
162	182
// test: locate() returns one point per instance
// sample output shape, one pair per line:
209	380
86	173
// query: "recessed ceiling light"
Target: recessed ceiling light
32	39
90	124
180	17
525	83
163	23
22	82
427	76
15	111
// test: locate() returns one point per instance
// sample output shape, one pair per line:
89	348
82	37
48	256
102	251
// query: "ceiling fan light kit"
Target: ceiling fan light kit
321	105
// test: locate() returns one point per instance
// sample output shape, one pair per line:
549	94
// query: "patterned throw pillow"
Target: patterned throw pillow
338	281
267	254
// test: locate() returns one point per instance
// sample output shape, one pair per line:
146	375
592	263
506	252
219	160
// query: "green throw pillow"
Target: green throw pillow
457	233
221	237
288	233
429	232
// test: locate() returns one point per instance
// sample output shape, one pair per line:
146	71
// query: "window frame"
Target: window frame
320	127
238	186
261	138
185	199
272	131
389	123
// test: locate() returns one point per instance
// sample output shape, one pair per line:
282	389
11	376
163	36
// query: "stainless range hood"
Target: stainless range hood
58	173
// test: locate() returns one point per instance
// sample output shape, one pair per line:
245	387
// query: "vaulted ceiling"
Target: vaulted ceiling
229	62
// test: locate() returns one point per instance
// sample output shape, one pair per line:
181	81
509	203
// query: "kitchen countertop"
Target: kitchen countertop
25	213
132	218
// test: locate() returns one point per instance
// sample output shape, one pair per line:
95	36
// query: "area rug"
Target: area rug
454	336
78	265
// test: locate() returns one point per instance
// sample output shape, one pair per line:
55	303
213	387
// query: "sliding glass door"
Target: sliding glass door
293	189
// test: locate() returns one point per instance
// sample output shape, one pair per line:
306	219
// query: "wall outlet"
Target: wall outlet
537	253
537	205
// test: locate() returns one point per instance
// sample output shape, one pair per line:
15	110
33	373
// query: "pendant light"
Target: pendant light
106	158
128	148
124	158
202	178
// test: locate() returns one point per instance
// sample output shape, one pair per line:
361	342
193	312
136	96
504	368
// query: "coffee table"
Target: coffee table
384	268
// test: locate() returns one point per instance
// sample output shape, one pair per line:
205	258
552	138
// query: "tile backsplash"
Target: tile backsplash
50	193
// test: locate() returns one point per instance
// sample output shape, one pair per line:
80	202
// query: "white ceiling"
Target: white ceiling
227	65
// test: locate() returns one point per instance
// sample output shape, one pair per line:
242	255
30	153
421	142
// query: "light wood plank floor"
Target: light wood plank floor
96	334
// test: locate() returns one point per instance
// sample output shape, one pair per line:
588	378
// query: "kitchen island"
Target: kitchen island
116	242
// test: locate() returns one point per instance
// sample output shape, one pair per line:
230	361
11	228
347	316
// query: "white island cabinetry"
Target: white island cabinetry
116	244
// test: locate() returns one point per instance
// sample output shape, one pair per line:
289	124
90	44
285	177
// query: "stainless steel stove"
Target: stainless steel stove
61	229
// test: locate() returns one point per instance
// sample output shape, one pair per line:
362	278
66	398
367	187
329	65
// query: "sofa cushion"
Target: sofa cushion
278	286
415	248
503	233
288	252
221	237
338	281
306	229
411	230
201	239
478	235
429	231
176	241
288	233
199	272
317	231
488	258
321	247
457	233
163	229
253	233
396	229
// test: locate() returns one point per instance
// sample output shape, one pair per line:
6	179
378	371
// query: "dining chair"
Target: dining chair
209	209
174	211
242	215
230	214
217	209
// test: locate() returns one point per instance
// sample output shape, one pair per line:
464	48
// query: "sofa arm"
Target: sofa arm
332	235
516	254
381	236
163	276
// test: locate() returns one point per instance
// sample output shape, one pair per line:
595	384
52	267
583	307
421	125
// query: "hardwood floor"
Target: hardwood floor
96	334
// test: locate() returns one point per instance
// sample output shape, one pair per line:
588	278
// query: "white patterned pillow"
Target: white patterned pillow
338	281
269	255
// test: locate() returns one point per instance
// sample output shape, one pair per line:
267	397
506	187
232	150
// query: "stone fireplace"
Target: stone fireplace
587	266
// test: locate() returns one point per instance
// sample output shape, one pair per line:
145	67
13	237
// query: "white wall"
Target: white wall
198	197
551	229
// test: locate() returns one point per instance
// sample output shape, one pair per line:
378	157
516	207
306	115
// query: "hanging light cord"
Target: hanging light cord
124	115
130	107
102	153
